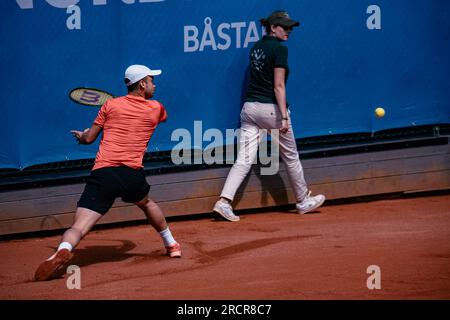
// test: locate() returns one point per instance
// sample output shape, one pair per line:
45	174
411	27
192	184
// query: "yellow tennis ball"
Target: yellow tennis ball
379	112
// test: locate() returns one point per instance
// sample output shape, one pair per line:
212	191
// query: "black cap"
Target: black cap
280	18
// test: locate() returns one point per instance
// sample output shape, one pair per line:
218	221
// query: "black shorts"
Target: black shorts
106	184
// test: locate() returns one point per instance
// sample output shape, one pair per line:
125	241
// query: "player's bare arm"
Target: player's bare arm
87	136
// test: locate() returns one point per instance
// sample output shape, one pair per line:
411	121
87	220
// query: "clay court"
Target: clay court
267	255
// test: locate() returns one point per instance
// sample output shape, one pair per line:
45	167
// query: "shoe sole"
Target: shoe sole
223	216
313	208
51	269
175	254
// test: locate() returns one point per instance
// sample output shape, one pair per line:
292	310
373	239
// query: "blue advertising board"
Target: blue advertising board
346	58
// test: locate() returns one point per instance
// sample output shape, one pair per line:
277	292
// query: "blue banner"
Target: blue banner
347	58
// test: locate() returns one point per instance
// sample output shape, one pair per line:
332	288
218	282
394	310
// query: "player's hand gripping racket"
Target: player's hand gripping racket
89	96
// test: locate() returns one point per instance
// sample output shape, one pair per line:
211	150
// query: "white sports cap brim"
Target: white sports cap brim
136	72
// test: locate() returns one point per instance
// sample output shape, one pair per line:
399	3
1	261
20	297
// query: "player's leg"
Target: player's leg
85	219
97	198
155	217
135	190
154	213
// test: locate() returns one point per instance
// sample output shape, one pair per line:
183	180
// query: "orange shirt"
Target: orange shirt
128	123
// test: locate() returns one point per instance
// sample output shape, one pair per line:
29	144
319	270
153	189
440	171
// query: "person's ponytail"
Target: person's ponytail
265	23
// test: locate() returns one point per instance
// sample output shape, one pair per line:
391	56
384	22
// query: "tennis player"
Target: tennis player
127	123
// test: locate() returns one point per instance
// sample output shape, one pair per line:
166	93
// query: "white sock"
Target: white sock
65	245
62	245
167	237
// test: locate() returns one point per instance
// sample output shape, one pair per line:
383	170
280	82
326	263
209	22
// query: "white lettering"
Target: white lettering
198	142
74	21
74	281
224	36
274	157
25	4
213	152
190	35
184	147
187	310
208	36
218	152
62	4
374	21
252	34
231	136
238	26
374	281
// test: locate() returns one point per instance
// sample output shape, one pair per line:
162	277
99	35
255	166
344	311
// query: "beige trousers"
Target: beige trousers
254	117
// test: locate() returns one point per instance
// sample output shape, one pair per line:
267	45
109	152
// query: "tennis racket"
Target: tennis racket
89	96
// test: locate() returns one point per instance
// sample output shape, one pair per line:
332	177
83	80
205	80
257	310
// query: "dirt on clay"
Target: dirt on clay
328	254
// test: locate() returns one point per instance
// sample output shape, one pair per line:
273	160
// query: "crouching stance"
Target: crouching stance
127	123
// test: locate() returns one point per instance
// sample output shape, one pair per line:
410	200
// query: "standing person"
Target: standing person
128	123
266	107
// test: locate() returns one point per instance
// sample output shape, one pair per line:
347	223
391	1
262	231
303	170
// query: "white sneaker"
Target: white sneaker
226	211
310	203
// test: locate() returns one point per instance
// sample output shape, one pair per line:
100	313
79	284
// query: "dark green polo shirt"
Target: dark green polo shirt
268	53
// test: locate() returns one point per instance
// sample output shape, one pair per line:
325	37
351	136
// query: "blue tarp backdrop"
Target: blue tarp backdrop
347	58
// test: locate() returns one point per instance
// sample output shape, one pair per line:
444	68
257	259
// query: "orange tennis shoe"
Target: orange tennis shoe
54	267
174	250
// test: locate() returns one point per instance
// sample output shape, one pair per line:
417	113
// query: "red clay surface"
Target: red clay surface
277	255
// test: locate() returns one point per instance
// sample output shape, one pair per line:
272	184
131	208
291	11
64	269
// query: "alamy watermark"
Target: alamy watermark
252	147
74	280
374	280
374	20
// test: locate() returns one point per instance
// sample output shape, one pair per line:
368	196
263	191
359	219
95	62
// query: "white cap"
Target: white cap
137	72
